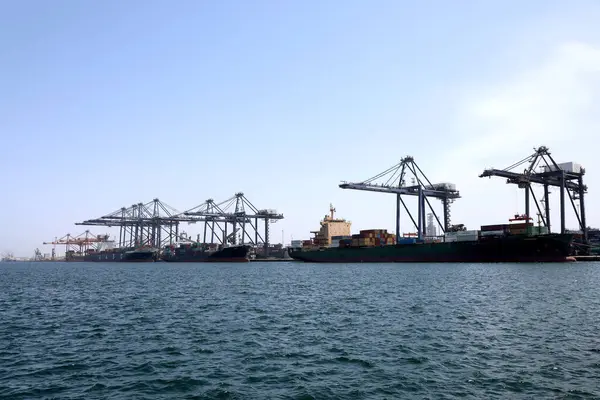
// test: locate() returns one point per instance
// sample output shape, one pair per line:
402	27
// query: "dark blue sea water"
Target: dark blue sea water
299	331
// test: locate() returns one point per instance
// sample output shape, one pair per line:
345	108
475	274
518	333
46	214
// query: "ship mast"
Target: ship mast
331	210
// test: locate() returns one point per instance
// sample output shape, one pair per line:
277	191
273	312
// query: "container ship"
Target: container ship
202	252
517	242
139	254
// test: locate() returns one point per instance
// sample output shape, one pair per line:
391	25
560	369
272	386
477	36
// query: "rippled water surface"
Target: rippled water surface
299	331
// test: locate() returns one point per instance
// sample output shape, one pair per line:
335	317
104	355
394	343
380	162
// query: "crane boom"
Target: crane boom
421	187
549	179
410	190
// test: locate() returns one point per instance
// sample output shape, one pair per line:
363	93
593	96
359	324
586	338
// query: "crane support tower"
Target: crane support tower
394	181
566	176
238	212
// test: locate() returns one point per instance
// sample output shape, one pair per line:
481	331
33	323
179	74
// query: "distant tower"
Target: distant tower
431	229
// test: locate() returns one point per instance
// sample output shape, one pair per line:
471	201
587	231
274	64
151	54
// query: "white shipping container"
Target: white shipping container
472	238
492	233
468	233
449	186
335	243
567	167
296	243
450	239
441	186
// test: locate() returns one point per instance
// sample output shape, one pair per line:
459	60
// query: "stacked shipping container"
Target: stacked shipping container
336	240
525	228
462	236
380	237
373	237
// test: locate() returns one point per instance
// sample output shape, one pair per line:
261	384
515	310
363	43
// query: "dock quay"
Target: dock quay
271	259
587	258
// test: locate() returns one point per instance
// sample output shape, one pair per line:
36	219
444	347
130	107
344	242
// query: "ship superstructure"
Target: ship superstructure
332	229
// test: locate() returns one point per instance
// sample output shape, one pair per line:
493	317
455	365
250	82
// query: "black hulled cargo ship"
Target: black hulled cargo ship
201	252
520	242
510	248
140	254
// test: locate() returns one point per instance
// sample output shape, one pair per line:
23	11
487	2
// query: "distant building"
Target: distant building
431	229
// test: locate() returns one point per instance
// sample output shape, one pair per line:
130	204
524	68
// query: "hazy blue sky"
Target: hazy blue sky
108	103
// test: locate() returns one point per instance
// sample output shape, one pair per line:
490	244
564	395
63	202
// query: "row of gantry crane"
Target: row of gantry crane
157	224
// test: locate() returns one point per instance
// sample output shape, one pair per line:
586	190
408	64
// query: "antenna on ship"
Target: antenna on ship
331	210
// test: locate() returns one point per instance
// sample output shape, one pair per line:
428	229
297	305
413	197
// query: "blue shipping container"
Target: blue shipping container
407	241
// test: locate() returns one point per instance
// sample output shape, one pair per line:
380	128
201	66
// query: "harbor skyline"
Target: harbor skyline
113	104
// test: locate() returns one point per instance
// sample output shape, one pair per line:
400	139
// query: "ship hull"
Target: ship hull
546	248
227	254
124	256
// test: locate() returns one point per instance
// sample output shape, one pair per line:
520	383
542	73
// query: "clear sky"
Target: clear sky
108	103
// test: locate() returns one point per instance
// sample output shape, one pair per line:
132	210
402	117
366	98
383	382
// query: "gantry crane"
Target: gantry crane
78	244
216	214
151	224
567	176
395	183
156	224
